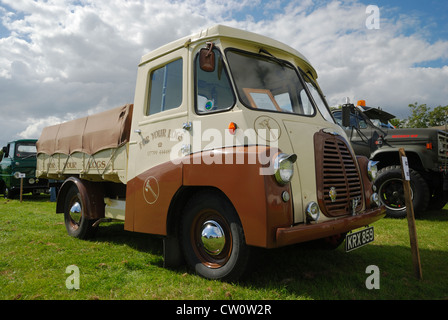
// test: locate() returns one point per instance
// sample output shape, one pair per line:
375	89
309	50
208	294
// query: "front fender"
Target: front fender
249	185
388	156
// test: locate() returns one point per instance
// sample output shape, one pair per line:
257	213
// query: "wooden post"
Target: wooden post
410	214
21	188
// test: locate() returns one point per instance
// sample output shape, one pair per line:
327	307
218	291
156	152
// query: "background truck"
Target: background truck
229	145
372	135
20	157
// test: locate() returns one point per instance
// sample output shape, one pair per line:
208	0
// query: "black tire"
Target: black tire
223	254
438	200
10	194
389	184
76	223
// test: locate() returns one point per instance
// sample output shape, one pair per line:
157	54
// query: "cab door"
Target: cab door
159	115
160	112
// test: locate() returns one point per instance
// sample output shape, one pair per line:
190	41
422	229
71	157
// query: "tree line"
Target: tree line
423	117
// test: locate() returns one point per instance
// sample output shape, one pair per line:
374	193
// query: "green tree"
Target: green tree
438	116
419	116
397	123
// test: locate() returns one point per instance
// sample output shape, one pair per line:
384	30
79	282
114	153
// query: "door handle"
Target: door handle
187	126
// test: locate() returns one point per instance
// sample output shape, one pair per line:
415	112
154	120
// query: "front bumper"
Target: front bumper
308	232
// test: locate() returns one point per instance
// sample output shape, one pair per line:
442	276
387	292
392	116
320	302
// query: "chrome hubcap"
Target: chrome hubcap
212	237
75	212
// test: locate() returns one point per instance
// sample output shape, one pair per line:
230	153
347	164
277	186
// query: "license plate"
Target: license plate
358	239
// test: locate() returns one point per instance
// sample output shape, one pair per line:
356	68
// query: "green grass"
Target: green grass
35	251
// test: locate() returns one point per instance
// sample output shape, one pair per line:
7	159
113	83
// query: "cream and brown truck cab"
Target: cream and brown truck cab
229	145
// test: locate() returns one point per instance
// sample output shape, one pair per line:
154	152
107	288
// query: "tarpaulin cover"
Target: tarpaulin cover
109	129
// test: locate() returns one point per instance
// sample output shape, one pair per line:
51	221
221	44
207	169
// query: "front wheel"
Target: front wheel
212	237
389	184
9	194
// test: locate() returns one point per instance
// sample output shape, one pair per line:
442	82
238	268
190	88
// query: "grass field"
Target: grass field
35	252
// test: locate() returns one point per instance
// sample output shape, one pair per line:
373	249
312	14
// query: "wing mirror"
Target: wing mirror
207	58
346	115
346	110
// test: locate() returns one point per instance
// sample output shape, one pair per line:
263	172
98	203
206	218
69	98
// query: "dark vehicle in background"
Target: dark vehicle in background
372	135
20	157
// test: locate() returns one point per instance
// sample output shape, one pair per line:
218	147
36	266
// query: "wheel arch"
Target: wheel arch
392	157
179	201
92	194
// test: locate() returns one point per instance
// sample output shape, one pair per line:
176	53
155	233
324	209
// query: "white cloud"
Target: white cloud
36	125
73	57
353	61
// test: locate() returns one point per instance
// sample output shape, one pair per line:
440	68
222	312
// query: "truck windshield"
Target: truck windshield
266	83
25	150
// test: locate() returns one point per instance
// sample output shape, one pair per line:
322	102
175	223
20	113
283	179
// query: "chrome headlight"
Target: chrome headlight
372	169
284	167
312	211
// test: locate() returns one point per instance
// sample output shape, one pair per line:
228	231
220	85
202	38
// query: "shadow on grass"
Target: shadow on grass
434	215
321	274
302	270
114	232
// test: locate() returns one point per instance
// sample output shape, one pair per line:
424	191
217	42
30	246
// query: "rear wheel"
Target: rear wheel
76	223
212	237
389	184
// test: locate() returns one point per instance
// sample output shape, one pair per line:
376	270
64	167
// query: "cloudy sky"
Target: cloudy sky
64	59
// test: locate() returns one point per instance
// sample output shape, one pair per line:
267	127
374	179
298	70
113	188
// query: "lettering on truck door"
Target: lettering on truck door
160	113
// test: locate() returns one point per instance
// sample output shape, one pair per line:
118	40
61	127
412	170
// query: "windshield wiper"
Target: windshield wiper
29	156
280	62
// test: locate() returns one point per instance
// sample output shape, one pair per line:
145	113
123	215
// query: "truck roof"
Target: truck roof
23	140
376	113
221	31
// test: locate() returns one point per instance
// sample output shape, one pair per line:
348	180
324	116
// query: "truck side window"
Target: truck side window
355	120
317	96
25	149
213	89
165	88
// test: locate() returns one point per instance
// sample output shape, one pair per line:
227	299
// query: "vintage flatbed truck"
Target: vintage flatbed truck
229	144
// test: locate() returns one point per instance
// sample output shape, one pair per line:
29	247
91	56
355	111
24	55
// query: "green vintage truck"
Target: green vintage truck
19	158
372	136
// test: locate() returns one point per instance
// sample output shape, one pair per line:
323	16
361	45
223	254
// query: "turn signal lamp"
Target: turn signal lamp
312	211
372	169
232	127
429	145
